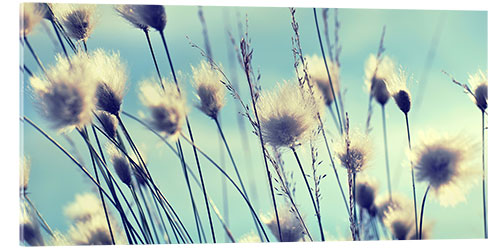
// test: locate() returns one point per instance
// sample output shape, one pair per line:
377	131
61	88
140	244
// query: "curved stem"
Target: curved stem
252	210
422	212
387	169
316	210
412	177
328	71
485	221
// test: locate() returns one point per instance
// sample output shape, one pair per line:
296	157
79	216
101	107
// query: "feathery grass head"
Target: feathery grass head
446	164
29	227
287	115
167	107
291	228
400	222
121	165
80	20
479	84
90	226
395	201
67	96
111	76
152	15
399	91
377	73
31	14
108	123
25	173
130	13
84	207
355	150
319	76
366	189
210	91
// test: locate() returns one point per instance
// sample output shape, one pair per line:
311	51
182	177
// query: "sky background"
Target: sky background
462	49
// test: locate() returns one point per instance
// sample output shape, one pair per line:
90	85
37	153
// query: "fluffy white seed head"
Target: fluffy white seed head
121	164
108	123
66	97
291	228
31	14
399	91
377	73
446	163
319	76
111	76
84	207
130	13
210	91
79	20
287	115
479	84
152	15
400	222
29	227
354	150
167	107
366	191
395	201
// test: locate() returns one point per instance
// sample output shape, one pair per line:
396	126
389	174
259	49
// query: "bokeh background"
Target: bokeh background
461	48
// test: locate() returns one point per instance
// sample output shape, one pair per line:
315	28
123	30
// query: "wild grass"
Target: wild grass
84	101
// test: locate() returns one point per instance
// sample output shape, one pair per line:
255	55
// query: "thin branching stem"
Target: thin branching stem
310	194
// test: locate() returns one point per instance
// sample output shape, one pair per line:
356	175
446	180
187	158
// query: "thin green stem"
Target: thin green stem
328	71
387	169
412	176
316	210
485	221
422	213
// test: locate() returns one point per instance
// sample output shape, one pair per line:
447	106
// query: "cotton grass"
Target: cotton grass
66	97
400	222
479	84
131	14
25	174
152	15
319	76
31	14
79	20
108	123
121	165
29	227
446	164
291	228
355	150
399	91
210	91
366	190
377	73
287	116
167	107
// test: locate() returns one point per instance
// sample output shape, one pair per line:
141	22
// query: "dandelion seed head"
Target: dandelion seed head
67	96
84	207
357	154
210	91
129	12
80	20
319	76
111	75
120	164
287	115
446	164
376	76
167	107
152	15
31	15
291	228
366	189
479	84
29	227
